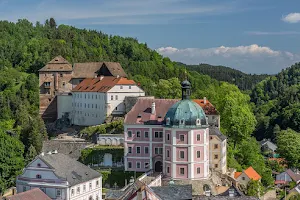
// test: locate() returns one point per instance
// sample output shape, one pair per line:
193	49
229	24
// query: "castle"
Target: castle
174	137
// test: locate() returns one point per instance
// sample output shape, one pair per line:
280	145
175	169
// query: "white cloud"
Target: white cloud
252	59
273	33
292	18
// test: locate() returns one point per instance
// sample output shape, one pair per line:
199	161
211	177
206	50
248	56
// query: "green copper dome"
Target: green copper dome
185	113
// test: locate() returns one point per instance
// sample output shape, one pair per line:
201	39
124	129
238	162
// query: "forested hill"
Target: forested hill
221	73
26	47
277	102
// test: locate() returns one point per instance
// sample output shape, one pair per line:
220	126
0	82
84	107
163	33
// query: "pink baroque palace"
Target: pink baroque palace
173	137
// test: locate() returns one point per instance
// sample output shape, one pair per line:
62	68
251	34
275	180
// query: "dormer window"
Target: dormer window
168	121
181	122
198	122
38	176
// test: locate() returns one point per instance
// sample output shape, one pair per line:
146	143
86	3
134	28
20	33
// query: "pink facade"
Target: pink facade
182	171
168	153
138	153
138	134
199	168
168	169
199	134
157	134
182	135
182	154
157	149
198	151
138	164
168	137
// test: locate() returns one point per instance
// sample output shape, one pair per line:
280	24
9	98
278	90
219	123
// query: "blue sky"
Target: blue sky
255	36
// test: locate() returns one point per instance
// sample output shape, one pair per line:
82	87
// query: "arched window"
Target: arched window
38	176
198	122
182	122
90	198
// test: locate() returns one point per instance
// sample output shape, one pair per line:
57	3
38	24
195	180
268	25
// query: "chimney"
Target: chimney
204	100
153	108
101	77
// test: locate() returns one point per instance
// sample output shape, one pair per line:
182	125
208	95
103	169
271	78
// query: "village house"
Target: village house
246	175
94	99
61	178
287	177
172	136
268	147
58	77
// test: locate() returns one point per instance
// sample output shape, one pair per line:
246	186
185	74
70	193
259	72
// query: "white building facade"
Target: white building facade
61	178
95	99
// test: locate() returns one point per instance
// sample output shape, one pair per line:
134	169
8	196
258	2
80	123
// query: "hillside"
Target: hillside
25	48
277	103
221	73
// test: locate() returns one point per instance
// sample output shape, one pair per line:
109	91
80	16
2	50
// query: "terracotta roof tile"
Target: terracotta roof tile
208	108
252	174
142	108
237	174
103	84
34	194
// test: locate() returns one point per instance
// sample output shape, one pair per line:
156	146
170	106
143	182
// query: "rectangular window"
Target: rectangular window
88	105
129	149
146	134
156	134
90	186
92	105
160	150
95	105
111	97
85	96
64	83
146	150
88	96
84	188
61	75
168	169
213	117
216	166
58	192
182	171
146	165
168	136
156	150
198	170
138	134
129	134
129	86
96	96
160	134
181	137
78	190
216	146
216	156
92	96
198	154
138	149
121	86
181	154
129	165
24	188
138	165
97	183
168	153
116	97
198	137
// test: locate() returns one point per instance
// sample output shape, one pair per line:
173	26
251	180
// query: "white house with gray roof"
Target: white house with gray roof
61	178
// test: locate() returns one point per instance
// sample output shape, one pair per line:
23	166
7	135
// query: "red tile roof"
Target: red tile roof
142	108
237	174
250	172
208	108
34	194
101	85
